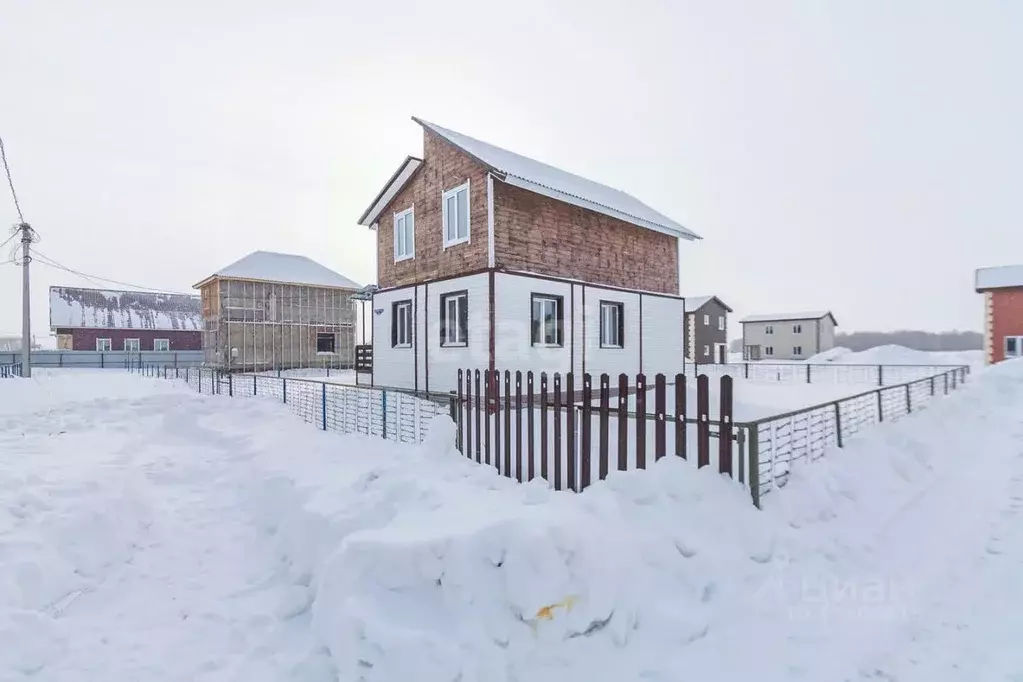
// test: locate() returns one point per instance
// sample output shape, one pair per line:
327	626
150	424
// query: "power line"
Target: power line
6	241
46	260
7	169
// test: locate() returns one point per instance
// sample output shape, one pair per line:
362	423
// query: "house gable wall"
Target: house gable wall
699	334
1006	319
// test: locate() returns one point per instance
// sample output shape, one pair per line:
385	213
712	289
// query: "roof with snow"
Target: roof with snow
694	303
1000	277
284	268
538	177
74	308
786	317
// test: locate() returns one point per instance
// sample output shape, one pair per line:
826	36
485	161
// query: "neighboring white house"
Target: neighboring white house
490	260
787	336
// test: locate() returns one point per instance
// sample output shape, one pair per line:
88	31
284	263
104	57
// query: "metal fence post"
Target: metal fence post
880	375
230	385
253	384
383	412
284	390
808	366
323	405
909	400
838	423
880	407
754	464
746	369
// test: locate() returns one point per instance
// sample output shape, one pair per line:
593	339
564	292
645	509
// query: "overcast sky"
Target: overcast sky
859	156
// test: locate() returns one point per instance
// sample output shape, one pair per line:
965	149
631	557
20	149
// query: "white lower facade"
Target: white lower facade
648	340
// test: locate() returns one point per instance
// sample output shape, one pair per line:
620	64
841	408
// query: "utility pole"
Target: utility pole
26	299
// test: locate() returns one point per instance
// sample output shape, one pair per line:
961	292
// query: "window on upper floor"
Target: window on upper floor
612	330
769	329
161	345
401	324
706	320
455	210
721	323
547	320
797	350
131	346
454	319
326	342
797	329
405	235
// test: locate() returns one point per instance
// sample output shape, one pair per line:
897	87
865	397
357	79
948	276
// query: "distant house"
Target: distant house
489	259
787	336
1003	311
133	321
277	311
706	329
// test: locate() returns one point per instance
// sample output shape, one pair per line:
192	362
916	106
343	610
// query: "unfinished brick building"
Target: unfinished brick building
271	311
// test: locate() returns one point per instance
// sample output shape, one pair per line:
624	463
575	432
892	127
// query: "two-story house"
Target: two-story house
488	259
787	336
706	329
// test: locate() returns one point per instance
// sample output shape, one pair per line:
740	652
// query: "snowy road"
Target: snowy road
147	533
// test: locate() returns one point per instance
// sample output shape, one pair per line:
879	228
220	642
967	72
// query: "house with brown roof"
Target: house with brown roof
489	259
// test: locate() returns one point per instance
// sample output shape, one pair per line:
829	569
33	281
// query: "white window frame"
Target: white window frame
448	324
706	320
556	303
103	342
453	192
609	331
769	329
402	217
166	342
136	342
797	350
706	350
402	319
768	350
797	329
1019	347
721	323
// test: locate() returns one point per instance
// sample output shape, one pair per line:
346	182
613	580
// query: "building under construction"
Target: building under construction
271	311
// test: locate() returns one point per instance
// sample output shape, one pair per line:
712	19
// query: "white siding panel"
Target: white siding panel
576	328
445	362
514	350
663	338
421	314
391	366
611	360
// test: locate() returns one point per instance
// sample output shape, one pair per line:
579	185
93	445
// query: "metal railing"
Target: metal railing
10	370
778	442
392	414
819	373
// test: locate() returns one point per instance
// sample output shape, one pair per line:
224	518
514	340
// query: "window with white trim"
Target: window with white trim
797	350
612	331
405	235
401	324
797	329
454	319
768	350
161	345
1013	346
547	320
769	329
131	345
706	320
706	351
455	210
721	323
103	345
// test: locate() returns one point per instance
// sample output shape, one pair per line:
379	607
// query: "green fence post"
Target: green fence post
754	464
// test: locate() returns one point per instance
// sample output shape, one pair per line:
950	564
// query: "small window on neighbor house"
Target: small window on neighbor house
612	331
721	323
404	235
706	320
454	319
769	329
547	320
131	345
706	351
325	342
797	329
161	345
401	324
455	209
1013	346
768	350
797	350
103	345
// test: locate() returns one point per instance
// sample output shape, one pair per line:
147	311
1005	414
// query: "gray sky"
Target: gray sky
858	156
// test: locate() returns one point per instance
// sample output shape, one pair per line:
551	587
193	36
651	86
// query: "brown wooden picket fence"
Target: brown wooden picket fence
571	434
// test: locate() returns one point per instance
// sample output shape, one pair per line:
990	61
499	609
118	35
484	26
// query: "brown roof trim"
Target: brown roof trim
390	181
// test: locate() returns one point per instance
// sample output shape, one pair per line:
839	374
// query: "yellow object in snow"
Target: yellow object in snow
547	612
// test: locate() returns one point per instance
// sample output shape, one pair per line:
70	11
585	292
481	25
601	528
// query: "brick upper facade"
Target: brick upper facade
1005	317
532	232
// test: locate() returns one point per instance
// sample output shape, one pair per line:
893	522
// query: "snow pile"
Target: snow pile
893	354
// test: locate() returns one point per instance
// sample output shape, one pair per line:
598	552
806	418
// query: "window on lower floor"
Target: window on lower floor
131	345
161	345
797	350
1013	346
325	342
547	320
768	350
706	351
612	331
454	319
401	324
797	329
103	345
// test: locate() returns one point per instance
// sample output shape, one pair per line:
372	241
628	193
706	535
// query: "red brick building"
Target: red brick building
133	321
1003	311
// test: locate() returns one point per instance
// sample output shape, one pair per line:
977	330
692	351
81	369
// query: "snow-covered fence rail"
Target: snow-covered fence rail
10	370
394	414
776	443
819	373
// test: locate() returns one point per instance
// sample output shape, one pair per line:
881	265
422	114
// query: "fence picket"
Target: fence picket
494	405
641	421
623	422
725	427
460	422
518	426
680	415
702	421
543	426
507	424
584	437
659	415
605	381
557	431
485	418
570	439
531	471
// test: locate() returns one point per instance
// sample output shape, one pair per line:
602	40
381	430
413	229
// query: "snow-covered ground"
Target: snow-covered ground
334	376
150	533
885	355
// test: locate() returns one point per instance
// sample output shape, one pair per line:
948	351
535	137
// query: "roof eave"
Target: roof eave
370	215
